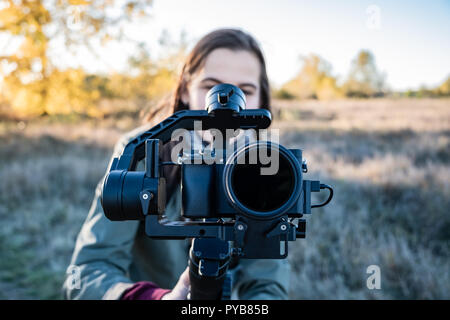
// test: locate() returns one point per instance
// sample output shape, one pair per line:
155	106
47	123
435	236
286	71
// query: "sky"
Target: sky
409	39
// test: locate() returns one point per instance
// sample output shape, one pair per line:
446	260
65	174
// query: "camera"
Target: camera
231	197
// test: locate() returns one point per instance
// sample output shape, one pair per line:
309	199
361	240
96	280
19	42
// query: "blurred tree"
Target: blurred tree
425	92
282	94
27	72
313	81
444	89
151	79
364	80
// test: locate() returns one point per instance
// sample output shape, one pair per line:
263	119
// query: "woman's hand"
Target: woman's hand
181	289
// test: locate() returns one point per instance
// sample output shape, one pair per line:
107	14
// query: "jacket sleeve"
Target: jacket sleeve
261	279
102	253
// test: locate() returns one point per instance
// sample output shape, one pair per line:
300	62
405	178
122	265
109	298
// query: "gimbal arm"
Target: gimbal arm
218	119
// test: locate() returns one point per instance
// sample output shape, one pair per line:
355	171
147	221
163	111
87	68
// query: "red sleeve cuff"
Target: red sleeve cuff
144	290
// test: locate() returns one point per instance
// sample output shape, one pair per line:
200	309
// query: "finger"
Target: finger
182	287
184	278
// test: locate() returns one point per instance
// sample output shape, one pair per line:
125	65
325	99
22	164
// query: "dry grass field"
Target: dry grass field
388	160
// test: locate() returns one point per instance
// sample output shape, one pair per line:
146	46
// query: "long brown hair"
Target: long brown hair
233	39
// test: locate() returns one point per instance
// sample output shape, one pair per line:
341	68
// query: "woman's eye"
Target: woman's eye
208	87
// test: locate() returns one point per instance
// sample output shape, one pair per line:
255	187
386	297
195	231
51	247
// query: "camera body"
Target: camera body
261	205
253	199
225	190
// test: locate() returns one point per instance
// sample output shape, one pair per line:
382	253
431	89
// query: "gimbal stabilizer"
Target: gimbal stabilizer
233	208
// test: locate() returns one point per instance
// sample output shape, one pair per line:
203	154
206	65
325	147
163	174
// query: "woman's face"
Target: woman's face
240	68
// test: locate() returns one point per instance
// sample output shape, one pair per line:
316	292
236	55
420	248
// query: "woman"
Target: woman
116	260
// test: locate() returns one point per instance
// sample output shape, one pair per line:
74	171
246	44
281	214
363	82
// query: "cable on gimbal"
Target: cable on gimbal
330	196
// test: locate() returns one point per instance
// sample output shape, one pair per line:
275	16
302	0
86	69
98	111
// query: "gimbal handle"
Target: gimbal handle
209	259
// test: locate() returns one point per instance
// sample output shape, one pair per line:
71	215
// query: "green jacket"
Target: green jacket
110	256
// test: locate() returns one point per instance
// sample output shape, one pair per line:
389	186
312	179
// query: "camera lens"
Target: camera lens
225	97
265	188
